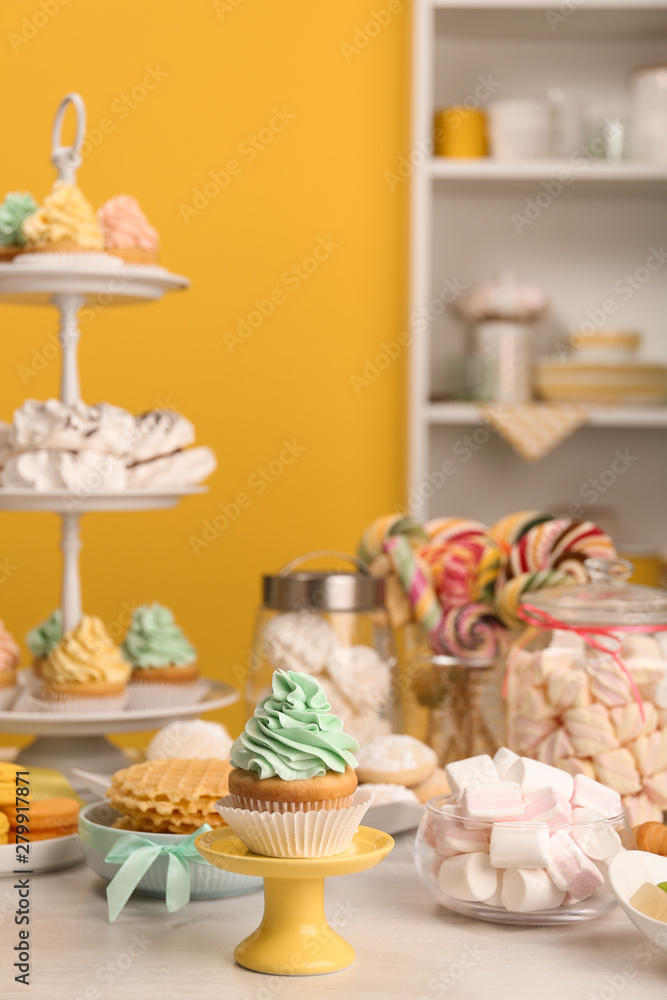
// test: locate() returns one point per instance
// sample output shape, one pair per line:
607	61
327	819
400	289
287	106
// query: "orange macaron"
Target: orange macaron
47	819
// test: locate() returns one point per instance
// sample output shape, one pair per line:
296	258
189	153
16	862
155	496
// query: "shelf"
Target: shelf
625	174
552	20
62	502
468	414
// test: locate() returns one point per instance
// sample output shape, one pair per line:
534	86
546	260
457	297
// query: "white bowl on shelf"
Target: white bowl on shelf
629	871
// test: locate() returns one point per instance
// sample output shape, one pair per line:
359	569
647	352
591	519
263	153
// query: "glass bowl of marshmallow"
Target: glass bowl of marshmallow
521	842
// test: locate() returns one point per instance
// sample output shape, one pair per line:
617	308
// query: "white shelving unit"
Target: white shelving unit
599	229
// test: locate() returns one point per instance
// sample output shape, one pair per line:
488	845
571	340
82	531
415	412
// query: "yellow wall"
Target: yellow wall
219	72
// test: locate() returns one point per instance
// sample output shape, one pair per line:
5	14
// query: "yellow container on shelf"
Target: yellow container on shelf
459	131
648	564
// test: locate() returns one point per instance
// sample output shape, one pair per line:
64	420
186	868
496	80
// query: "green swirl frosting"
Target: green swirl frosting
155	640
293	734
15	209
45	636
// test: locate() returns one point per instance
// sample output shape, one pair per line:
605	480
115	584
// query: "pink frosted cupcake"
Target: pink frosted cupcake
9	660
127	232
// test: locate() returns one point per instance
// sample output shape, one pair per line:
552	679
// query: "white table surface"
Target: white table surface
407	946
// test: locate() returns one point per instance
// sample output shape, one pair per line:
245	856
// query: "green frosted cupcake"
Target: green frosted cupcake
163	660
15	209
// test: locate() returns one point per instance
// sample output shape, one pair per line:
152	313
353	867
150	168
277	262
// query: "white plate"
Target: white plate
395	817
67	724
44	856
627	872
37	286
62	502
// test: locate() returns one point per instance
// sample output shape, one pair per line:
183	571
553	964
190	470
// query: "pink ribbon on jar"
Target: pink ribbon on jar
542	621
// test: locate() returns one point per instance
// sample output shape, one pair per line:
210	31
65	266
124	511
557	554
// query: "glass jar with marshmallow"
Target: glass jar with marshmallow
587	685
334	625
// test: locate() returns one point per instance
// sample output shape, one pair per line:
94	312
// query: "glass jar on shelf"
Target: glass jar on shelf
333	625
453	704
587	686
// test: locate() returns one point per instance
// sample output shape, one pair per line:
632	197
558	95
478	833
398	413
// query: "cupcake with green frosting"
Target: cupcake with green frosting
163	660
14	210
292	787
43	638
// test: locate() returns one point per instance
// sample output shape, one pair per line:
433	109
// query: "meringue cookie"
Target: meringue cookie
82	473
183	468
361	675
72	427
302	642
160	432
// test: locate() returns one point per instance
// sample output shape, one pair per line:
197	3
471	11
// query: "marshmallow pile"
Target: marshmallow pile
523	835
357	680
573	707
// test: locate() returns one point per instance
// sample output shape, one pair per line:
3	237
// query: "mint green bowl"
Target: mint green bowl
206	882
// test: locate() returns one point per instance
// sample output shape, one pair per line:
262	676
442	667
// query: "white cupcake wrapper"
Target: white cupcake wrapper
72	706
254	805
8	696
84	260
158	695
317	834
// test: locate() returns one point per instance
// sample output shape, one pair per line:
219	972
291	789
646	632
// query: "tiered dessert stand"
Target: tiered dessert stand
69	740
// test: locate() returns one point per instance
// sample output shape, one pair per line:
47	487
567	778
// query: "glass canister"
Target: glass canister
455	705
587	686
333	625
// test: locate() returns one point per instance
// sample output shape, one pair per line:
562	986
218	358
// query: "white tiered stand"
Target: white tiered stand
68	740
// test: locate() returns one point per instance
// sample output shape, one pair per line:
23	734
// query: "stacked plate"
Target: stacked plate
601	369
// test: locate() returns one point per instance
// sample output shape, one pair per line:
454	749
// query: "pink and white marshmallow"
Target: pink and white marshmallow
592	795
570	869
533	775
546	805
498	802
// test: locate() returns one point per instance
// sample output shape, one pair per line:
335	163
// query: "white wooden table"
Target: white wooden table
407	947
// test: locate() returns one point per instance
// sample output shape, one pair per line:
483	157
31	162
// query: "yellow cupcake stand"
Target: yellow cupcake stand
294	938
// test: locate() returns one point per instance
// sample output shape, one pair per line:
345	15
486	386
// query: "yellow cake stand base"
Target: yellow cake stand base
294	938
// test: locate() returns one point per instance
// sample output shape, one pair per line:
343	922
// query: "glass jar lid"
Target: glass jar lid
323	590
607	599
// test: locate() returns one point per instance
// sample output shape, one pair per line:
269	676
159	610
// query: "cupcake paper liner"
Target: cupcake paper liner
158	695
255	805
27	702
7	697
319	833
85	260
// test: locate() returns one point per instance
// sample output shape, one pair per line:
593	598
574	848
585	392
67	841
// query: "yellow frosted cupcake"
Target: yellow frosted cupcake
65	223
85	671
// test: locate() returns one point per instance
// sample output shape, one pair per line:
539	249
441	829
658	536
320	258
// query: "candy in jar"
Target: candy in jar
587	685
